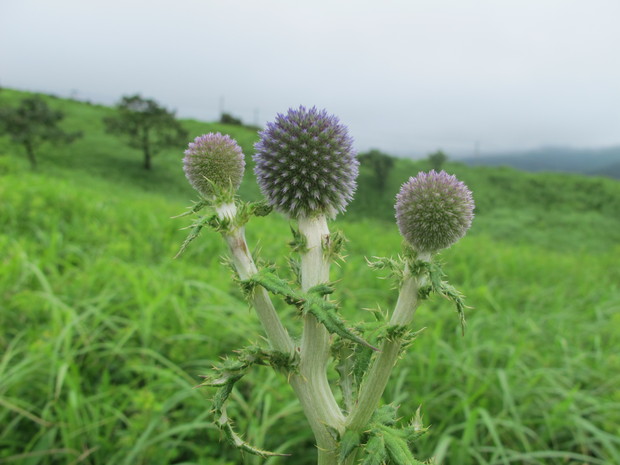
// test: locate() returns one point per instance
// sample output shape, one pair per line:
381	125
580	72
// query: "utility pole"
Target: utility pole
221	105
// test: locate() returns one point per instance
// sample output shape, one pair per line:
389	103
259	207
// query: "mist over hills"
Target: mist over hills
600	162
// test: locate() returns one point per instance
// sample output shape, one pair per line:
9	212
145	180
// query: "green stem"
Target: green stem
316	342
244	265
376	379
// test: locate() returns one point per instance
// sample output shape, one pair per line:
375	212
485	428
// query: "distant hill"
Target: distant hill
603	162
612	171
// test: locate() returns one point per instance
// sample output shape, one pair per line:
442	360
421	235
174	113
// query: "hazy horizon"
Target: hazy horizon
407	78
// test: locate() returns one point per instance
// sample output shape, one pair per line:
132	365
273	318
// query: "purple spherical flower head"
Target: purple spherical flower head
305	163
433	211
214	162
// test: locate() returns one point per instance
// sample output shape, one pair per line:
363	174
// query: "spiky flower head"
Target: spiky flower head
214	163
305	163
433	211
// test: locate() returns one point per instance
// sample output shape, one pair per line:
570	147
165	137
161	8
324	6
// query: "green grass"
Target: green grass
103	334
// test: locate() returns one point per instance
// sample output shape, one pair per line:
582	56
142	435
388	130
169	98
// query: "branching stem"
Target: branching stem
376	380
310	385
244	265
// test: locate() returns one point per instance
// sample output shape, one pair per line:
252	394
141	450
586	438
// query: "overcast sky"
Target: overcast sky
406	76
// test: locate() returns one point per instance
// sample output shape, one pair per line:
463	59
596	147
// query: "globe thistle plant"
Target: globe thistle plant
306	167
433	211
305	163
214	163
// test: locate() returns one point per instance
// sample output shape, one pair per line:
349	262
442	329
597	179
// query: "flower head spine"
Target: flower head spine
305	163
214	163
433	211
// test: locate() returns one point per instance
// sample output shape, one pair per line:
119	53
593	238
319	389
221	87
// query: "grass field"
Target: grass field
103	334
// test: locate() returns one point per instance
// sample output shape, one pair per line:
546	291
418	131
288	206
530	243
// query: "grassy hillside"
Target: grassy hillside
557	211
101	155
103	334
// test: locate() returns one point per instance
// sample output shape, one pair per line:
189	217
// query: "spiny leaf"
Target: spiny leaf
416	422
321	290
266	278
362	362
195	228
375	451
299	243
226	375
295	267
222	394
222	225
349	442
451	293
245	210
311	302
260	208
225	424
383	263
232	369
413	433
397	448
396	268
193	234
343	351
436	275
396	440
333	245
436	283
194	208
441	287
385	415
395	332
379	314
211	220
400	333
424	291
363	355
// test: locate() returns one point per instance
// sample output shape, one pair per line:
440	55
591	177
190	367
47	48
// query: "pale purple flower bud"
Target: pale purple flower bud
433	211
305	163
214	162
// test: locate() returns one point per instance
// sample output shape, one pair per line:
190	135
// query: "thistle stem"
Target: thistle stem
376	379
244	265
316	342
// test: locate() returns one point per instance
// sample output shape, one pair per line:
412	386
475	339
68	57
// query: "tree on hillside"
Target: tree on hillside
227	118
380	164
437	159
32	123
147	126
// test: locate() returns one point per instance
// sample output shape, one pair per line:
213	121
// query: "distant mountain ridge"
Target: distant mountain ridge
600	162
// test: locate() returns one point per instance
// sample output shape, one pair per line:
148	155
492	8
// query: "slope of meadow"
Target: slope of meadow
103	334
